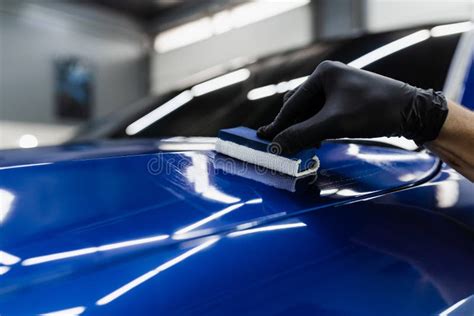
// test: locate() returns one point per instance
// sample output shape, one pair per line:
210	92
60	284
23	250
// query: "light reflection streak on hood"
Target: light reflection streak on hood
4	269
67	312
6	201
198	175
206	220
147	276
150	274
354	150
180	234
266	229
8	259
90	250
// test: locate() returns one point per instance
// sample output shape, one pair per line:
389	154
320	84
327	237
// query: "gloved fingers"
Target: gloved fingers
302	135
288	95
300	104
282	120
265	132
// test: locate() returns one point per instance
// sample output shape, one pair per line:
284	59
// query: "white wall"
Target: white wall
278	33
382	15
45	134
33	34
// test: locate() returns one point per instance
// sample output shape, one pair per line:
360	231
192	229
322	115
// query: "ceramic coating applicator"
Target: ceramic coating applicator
242	143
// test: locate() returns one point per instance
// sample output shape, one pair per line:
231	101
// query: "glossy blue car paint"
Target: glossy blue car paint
380	231
97	149
468	97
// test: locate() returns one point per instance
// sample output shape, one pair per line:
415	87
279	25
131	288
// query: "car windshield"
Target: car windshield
257	96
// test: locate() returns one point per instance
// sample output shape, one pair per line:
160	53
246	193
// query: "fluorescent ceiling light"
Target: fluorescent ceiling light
390	48
221	22
160	112
453	28
292	84
281	87
262	92
255	11
184	35
145	277
28	141
221	82
186	96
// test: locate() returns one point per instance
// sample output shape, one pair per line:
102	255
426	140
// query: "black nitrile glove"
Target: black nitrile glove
340	101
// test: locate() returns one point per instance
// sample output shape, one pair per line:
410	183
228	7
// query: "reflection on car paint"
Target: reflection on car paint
144	277
6	200
360	226
86	251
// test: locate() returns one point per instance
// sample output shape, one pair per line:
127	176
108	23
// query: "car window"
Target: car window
424	65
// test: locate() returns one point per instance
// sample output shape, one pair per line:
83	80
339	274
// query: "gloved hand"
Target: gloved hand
339	101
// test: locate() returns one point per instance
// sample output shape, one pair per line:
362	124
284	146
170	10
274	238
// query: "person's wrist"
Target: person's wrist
426	116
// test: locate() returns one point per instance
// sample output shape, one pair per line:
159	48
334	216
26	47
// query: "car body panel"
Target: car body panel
468	96
99	189
176	233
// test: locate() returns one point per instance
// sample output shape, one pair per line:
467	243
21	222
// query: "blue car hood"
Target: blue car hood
158	231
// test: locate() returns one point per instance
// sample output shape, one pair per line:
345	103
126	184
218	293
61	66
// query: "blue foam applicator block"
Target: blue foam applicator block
244	136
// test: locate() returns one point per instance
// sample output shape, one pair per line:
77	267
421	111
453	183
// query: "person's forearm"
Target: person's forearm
455	143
